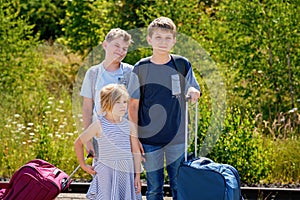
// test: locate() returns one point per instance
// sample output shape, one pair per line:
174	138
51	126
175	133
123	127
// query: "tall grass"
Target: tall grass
286	161
36	118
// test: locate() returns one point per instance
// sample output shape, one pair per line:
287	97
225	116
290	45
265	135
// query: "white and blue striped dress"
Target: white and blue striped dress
115	170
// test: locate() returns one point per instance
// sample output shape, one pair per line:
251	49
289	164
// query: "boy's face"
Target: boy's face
161	41
116	49
120	107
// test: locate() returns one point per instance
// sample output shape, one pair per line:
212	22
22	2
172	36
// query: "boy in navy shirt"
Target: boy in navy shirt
157	106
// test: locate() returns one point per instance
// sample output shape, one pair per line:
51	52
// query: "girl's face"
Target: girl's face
120	107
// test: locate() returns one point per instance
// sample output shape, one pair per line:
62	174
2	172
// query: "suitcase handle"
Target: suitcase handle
187	98
66	181
5	185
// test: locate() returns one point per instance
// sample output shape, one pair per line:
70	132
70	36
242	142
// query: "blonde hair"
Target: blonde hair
116	33
162	23
110	94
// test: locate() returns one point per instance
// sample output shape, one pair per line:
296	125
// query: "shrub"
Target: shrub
242	147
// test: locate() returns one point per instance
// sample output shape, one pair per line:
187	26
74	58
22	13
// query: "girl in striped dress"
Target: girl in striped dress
117	172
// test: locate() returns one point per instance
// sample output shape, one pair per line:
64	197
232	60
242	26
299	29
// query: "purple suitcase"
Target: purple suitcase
36	180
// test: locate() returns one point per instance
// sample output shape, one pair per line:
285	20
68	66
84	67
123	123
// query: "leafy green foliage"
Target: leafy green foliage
45	15
85	24
257	44
242	147
16	56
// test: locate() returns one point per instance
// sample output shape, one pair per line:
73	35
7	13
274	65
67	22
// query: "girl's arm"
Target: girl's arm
135	148
93	130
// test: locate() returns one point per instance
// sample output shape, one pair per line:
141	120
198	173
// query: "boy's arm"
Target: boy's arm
192	87
87	115
86	92
87	112
133	108
135	148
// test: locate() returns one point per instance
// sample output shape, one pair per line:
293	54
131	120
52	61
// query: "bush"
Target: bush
242	147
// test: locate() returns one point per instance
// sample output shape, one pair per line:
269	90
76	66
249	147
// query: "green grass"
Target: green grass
286	161
36	118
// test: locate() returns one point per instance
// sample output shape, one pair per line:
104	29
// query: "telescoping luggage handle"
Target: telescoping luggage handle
66	182
186	128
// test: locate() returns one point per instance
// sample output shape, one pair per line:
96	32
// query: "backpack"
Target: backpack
201	178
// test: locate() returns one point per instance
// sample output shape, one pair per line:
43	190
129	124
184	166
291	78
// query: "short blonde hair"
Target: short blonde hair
116	33
110	94
162	23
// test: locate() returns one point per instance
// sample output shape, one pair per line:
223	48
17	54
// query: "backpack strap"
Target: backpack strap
144	70
180	64
93	77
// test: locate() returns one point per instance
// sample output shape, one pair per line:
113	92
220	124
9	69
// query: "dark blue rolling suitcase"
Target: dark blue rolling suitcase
203	179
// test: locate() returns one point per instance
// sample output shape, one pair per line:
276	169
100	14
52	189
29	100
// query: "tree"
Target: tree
15	41
45	15
257	42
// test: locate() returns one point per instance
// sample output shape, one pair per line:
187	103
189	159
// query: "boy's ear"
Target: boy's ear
104	44
148	39
174	41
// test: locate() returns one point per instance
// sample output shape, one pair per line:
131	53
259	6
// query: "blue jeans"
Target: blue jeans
154	166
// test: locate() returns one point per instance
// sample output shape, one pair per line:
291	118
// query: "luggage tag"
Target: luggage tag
176	89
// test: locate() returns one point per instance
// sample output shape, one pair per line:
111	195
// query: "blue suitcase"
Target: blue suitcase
203	179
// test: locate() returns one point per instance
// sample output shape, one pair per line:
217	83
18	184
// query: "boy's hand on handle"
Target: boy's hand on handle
193	94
